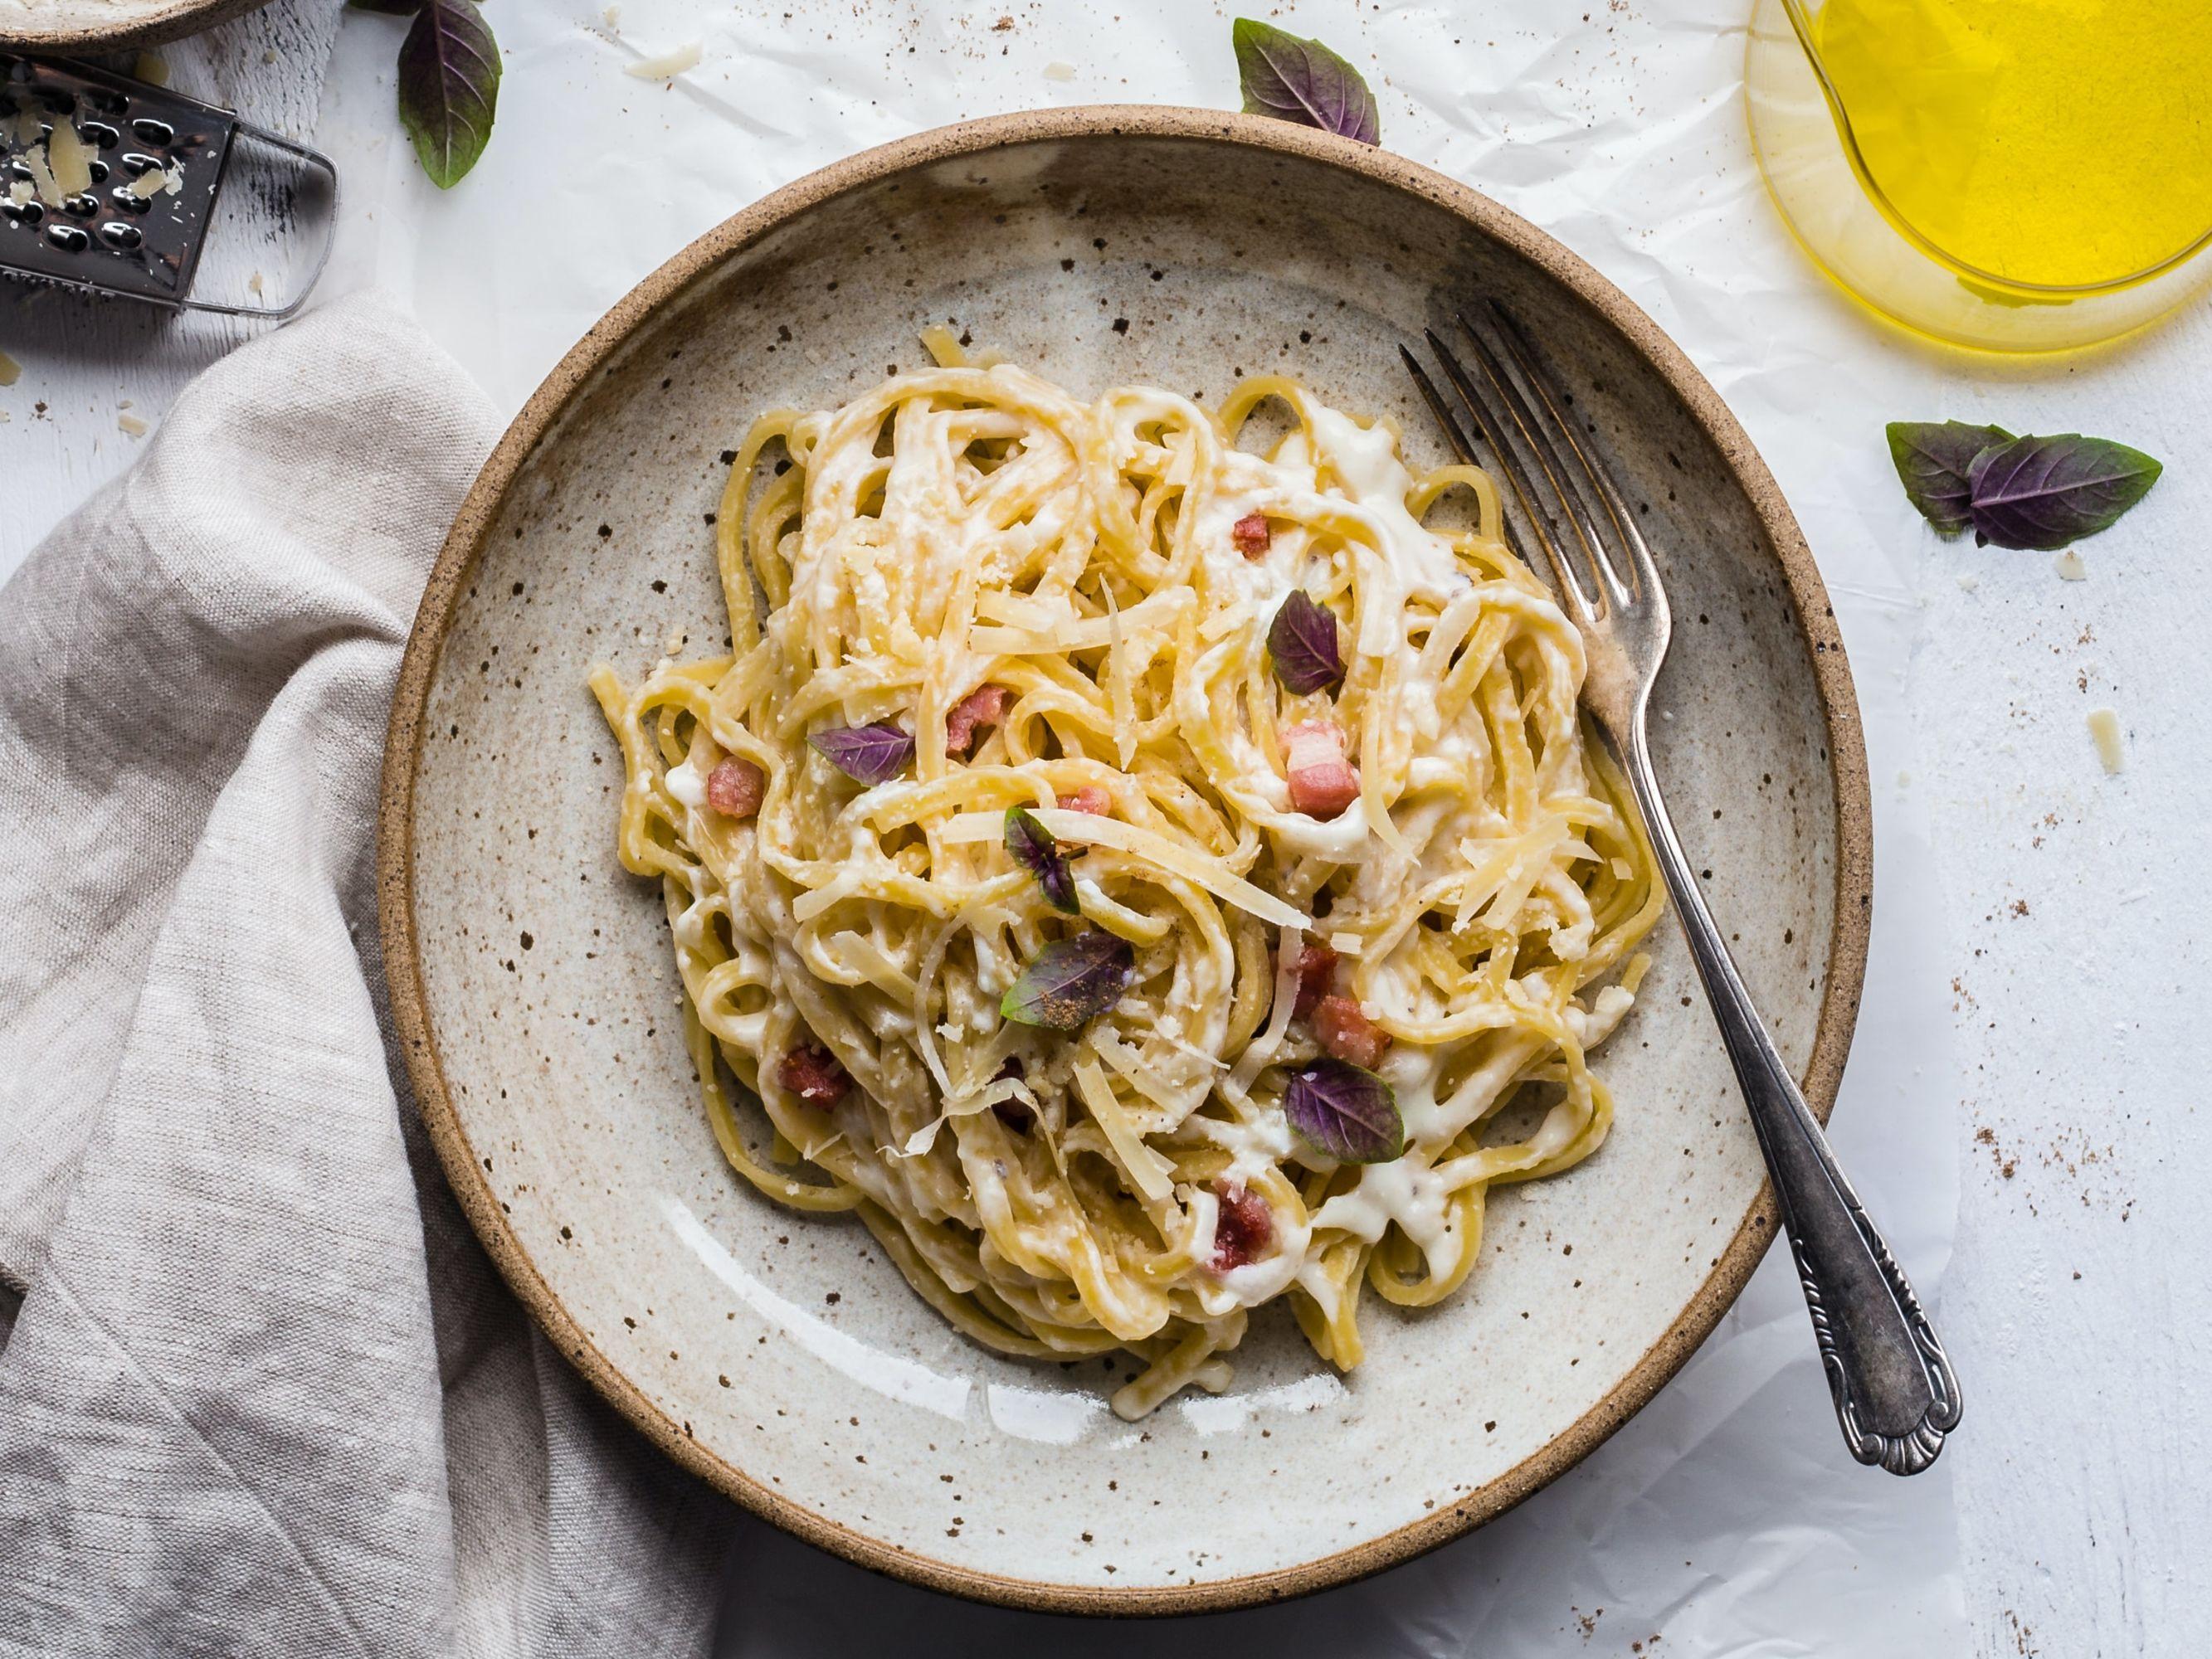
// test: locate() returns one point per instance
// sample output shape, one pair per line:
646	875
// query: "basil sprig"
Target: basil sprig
2040	493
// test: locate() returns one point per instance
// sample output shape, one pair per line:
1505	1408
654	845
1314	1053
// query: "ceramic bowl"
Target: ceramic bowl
82	26
780	1356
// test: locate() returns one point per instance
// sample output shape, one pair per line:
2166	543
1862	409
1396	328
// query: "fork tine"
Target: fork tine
1438	407
1643	574
1592	478
1534	433
1508	461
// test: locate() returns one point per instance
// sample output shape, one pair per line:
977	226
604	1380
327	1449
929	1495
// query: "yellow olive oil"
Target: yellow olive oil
2047	143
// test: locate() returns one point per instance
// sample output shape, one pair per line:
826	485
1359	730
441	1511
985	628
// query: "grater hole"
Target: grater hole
81	207
124	239
159	134
98	134
125	200
21	213
70	239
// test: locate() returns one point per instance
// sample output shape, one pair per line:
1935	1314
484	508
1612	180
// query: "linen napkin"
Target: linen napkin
262	1393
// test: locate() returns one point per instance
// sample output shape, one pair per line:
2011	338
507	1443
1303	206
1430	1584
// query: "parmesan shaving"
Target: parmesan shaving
667	65
1208	873
1148	1172
42	176
70	157
2105	733
945	347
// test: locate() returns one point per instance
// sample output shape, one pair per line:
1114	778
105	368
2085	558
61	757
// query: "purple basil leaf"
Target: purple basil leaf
1038	851
1933	458
2048	493
1070	982
867	754
389	7
1303	642
448	88
1345	1112
1302	80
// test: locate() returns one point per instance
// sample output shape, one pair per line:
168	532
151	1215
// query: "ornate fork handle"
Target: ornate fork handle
1894	1392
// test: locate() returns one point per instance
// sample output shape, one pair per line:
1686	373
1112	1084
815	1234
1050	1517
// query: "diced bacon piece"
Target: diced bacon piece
1252	536
1243	1229
1322	782
1091	798
1348	1033
1316	971
735	787
813	1076
981	708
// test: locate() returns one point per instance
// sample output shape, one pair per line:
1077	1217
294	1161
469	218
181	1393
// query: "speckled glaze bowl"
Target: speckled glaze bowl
780	1356
108	24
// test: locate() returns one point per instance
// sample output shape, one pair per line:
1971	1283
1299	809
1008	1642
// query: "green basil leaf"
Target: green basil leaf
449	72
2048	493
1302	80
1070	982
1933	458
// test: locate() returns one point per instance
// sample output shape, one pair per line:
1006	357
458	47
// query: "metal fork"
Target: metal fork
1895	1394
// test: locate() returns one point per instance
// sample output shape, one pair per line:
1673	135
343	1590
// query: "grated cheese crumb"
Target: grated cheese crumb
1968	581
2105	732
254	284
152	68
1060	71
132	426
613	15
42	175
1347	944
2070	567
20	190
667	65
10	370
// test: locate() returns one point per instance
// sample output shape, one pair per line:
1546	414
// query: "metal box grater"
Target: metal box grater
121	237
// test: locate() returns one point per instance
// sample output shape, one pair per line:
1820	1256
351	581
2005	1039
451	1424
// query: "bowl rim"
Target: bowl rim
161	22
1812	615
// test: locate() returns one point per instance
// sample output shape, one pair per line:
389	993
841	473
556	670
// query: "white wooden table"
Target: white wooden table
2071	913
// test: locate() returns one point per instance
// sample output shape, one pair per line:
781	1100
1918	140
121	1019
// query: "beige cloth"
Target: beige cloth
264	1395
